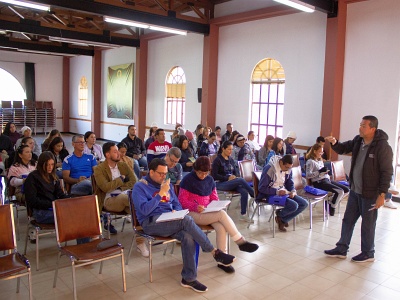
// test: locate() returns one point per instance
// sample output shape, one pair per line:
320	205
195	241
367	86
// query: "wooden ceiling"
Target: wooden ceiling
83	20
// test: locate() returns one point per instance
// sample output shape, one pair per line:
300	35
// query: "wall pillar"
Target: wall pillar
97	84
65	94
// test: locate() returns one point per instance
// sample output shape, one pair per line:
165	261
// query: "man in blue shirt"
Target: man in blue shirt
78	167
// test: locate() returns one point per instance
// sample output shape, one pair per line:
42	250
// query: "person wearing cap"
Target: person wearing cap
27	132
288	143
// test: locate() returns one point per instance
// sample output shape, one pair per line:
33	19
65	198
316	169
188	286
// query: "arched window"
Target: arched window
175	96
10	88
267	94
83	96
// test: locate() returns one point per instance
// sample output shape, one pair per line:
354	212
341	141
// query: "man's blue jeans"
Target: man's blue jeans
238	185
292	208
358	206
82	188
188	233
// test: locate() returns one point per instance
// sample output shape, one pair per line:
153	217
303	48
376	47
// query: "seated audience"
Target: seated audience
288	147
52	134
217	131
203	137
175	134
234	136
78	167
192	141
6	147
254	146
264	150
174	168
91	147
27	132
150	139
153	195
241	150
136	148
276	179
122	148
209	146
196	192
187	155
22	166
42	187
198	131
228	133
276	149
321	141
57	147
11	131
31	143
318	174
152	129
227	178
159	147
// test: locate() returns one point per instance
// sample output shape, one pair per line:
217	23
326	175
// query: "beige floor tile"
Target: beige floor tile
382	292
317	283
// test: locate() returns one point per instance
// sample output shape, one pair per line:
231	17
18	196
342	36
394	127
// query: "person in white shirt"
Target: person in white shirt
254	146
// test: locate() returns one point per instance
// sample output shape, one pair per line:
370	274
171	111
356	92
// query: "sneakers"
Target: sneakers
363	257
245	218
281	225
142	249
128	219
223	258
112	228
248	247
336	253
228	269
389	204
194	285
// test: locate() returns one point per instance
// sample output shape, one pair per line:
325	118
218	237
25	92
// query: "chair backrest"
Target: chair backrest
297	178
135	222
256	181
94	184
256	156
246	167
7	232
338	171
296	160
76	218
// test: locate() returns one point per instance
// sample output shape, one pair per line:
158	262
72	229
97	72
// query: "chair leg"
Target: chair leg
26	239
173	247
130	249
123	225
310	206
254	212
273	221
123	271
37	248
74	280
150	262
56	272
18	284
30	284
101	267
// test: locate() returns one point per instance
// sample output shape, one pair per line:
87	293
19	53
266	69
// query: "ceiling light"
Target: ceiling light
125	22
27	4
298	5
81	42
169	30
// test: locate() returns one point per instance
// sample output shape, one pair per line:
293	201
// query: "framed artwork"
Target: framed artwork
120	91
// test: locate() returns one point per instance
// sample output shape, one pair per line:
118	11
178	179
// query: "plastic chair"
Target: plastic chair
312	199
13	264
339	174
152	240
77	218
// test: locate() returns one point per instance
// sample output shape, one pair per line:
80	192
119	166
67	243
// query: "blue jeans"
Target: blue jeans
136	168
358	206
238	185
82	188
188	233
143	162
292	208
45	216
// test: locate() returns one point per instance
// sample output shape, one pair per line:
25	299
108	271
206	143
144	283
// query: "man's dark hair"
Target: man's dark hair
157	162
107	146
130	126
212	134
287	159
229	124
158	131
373	121
320	139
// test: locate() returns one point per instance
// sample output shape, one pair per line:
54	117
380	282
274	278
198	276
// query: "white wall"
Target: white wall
114	57
48	76
164	54
372	67
297	41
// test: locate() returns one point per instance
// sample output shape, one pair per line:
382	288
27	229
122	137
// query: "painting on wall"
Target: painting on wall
120	91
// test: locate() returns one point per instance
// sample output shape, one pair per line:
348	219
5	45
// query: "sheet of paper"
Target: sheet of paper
216	206
170	216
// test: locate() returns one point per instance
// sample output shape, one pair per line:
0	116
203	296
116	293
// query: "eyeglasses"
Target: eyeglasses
173	161
161	173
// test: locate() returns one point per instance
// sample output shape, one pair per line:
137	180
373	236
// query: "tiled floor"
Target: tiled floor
290	266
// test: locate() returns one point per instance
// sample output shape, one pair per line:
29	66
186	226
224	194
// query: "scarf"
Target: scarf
195	185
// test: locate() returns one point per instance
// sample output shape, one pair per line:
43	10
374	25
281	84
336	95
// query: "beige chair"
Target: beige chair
312	199
339	174
152	240
77	218
13	264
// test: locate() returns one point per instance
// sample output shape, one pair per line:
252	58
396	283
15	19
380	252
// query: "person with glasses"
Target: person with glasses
209	146
154	195
174	167
318	174
196	192
276	179
77	168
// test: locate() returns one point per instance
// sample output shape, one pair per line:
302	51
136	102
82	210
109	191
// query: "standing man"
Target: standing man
370	174
158	148
228	133
77	168
136	148
153	195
